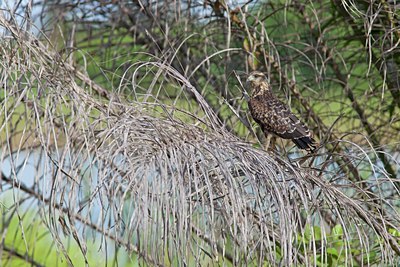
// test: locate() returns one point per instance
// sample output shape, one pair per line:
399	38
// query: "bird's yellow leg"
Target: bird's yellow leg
267	142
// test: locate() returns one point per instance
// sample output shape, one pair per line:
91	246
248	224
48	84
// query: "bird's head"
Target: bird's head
258	82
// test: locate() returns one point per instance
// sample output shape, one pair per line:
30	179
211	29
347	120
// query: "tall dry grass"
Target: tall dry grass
125	124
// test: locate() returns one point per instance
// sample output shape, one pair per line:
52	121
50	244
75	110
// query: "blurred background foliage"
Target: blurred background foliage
126	137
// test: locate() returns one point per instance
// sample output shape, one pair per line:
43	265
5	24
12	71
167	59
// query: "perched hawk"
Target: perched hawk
274	116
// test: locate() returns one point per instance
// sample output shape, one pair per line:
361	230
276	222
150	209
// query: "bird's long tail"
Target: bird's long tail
305	142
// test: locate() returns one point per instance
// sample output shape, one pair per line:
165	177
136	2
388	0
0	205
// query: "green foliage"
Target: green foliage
31	239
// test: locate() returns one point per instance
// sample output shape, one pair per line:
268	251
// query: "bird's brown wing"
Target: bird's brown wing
275	117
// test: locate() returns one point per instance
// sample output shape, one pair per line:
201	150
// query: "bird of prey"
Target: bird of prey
274	116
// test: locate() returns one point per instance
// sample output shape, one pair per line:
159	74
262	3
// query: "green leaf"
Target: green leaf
333	252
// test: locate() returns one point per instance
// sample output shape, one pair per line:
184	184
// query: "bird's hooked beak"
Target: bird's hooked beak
251	78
